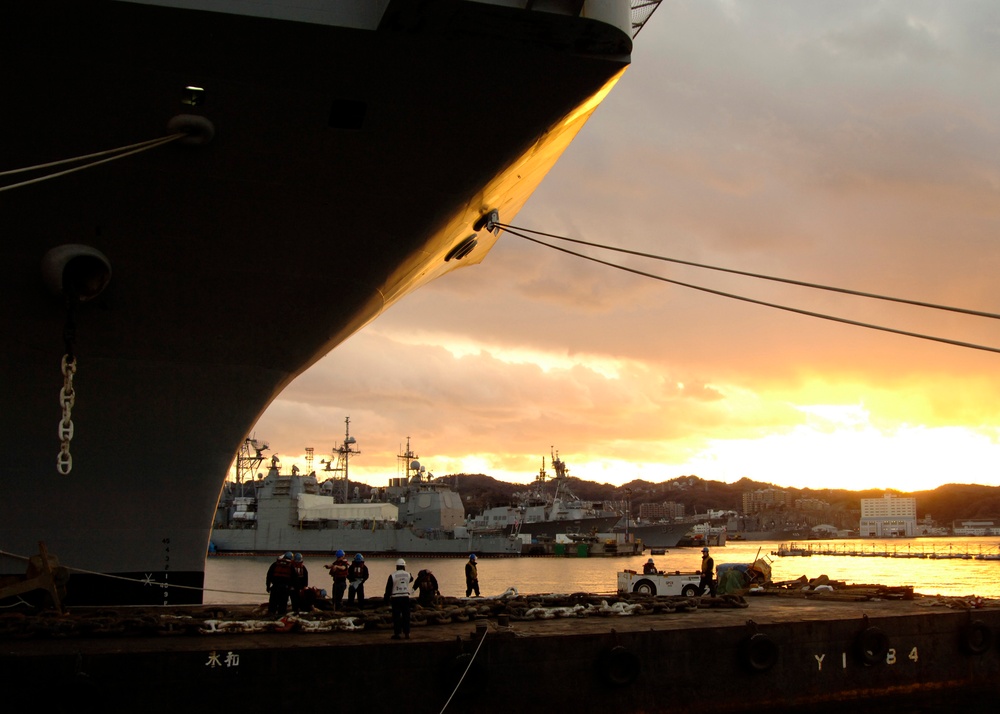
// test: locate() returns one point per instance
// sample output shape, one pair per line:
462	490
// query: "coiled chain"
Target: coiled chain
67	397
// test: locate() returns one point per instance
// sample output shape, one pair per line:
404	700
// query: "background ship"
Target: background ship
414	515
220	157
548	509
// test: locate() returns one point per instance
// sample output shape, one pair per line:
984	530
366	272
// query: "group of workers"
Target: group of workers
287	578
707	576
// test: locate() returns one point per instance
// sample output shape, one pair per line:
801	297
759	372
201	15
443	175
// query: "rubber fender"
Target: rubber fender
465	669
872	645
620	666
977	637
759	653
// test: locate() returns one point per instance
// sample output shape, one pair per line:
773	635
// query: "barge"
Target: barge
777	652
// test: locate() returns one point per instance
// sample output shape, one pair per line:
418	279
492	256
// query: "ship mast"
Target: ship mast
409	462
249	457
343	453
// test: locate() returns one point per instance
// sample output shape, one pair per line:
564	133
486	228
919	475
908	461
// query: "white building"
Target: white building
977	528
888	517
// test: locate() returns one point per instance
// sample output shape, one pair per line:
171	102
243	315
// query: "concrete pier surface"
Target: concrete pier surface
583	653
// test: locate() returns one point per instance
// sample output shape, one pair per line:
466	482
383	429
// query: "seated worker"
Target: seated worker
649	568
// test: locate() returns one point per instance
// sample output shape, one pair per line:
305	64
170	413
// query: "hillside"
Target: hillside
944	504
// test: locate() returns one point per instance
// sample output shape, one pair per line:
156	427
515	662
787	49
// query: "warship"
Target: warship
178	172
415	514
541	513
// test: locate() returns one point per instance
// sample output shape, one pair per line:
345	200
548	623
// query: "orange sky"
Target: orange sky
854	144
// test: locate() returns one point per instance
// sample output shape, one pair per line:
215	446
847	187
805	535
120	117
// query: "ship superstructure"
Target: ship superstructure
548	509
191	170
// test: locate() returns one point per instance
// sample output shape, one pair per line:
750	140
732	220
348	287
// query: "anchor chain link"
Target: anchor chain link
67	398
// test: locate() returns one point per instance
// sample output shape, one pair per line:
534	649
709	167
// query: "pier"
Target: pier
882	550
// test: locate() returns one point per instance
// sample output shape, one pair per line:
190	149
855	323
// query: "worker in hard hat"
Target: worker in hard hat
649	568
471	576
357	574
707	573
397	592
338	571
278	583
300	581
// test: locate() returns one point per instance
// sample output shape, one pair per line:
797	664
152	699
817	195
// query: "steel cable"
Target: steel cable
118	153
513	230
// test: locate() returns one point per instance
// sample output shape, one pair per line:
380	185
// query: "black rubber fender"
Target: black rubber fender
759	653
872	645
977	637
466	669
619	666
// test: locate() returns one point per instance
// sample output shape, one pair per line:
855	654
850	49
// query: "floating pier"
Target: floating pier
881	550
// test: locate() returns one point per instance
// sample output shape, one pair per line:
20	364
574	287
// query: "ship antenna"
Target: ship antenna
344	452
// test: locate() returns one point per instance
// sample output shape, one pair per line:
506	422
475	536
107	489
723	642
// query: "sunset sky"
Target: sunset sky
851	143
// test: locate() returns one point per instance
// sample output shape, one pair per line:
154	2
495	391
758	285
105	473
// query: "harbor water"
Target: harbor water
240	579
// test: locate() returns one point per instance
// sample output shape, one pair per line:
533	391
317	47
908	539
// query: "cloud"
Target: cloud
852	144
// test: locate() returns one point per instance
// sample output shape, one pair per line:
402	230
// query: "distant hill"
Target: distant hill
944	504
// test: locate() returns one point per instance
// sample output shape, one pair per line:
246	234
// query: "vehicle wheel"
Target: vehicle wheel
644	587
689	591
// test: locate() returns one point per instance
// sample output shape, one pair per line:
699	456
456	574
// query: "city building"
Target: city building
888	517
764	499
666	511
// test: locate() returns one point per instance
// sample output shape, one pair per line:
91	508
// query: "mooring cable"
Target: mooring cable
760	276
787	308
141	581
118	153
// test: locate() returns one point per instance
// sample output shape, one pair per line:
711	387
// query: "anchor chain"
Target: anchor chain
67	398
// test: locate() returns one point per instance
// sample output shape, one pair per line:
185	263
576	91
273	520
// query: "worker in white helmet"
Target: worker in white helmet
397	592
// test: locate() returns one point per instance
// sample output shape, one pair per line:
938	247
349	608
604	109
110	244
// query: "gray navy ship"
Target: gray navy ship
415	514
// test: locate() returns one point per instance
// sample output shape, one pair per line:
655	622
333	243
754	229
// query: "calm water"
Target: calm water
240	579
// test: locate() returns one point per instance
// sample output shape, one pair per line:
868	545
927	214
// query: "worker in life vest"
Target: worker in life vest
649	568
338	571
278	583
397	592
357	574
300	581
707	573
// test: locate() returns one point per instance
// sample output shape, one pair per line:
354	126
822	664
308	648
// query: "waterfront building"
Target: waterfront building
888	517
977	527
